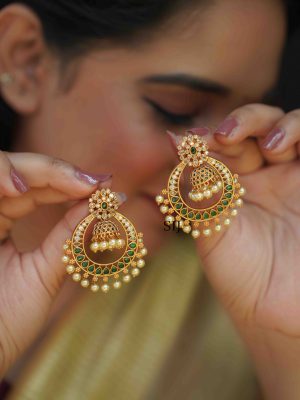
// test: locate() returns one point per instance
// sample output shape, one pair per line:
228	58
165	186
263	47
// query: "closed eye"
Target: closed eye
171	118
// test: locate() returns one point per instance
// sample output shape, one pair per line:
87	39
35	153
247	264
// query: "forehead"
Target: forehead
237	43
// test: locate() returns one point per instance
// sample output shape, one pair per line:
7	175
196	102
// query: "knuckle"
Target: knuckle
294	115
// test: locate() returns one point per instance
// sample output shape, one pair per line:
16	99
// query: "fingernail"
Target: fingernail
201	131
18	181
175	139
227	126
122	197
273	139
91	179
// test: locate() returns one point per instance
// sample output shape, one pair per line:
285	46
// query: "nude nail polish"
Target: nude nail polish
273	139
201	131
227	126
91	179
18	181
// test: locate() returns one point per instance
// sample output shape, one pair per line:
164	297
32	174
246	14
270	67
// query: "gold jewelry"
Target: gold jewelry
102	227
6	78
210	179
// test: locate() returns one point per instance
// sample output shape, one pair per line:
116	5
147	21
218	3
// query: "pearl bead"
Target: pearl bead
105	288
234	212
117	284
164	209
140	263
191	195
135	272
112	243
199	196
187	229
242	191
195	233
94	246
215	189
144	251
76	277
70	269
169	219
227	221
94	288
103	246
65	247
218	228
126	278
159	199
219	184
85	283
207	232
65	259
239	202
207	193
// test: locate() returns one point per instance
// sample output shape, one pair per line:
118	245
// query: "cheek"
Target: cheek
111	132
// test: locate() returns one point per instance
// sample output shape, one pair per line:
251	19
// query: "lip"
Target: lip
150	198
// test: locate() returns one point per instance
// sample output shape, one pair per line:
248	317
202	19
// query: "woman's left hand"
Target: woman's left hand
254	265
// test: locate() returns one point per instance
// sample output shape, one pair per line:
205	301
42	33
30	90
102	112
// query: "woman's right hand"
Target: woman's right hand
29	282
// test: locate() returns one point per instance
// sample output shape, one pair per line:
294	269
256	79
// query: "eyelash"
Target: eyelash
171	118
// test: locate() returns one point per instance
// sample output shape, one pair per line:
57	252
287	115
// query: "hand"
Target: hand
254	265
29	282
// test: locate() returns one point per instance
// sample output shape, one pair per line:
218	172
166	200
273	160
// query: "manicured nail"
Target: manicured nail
121	197
18	181
273	139
175	139
201	131
91	179
227	126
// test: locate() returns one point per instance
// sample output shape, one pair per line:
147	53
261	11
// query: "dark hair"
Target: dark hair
71	27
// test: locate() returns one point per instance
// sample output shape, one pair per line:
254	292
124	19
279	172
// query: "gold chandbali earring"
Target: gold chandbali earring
212	184
107	231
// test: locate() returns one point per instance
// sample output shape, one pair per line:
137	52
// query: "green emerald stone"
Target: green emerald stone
174	199
193	150
228	195
104	206
184	211
77	250
220	209
114	269
191	215
213	213
205	215
198	216
228	187
225	202
80	258
178	206
106	271
98	271
121	265
127	260
85	264
132	245
130	253
91	268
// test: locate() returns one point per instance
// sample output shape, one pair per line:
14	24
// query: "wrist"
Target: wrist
276	358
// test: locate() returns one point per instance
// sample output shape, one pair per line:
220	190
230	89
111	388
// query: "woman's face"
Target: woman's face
114	116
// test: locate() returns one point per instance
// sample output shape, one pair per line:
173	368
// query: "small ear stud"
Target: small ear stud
6	78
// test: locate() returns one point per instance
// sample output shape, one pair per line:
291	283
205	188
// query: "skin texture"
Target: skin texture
105	122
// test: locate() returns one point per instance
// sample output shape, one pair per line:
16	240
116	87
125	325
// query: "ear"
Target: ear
22	56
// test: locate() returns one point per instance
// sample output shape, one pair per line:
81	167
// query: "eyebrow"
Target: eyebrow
189	81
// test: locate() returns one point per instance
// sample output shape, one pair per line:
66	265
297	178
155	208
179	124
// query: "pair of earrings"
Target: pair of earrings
106	230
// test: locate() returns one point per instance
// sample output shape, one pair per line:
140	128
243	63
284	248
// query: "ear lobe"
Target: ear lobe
22	55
